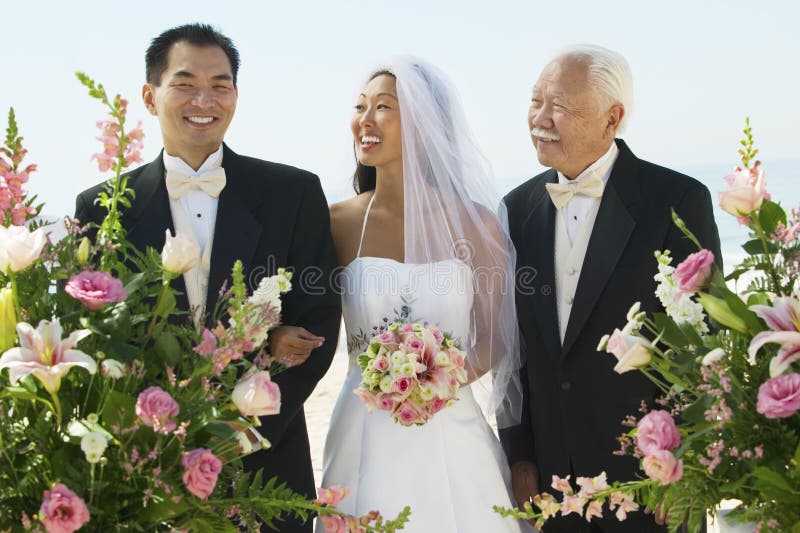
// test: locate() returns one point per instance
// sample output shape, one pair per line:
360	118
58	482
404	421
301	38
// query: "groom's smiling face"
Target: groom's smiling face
194	101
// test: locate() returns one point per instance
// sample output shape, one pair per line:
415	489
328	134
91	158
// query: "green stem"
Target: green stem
91	486
15	295
56	406
763	238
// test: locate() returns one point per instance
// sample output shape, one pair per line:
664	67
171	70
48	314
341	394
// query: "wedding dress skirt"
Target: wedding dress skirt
452	470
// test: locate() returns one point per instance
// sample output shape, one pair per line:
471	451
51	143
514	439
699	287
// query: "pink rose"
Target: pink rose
333	524
407	328
402	385
257	395
745	193
62	510
436	405
631	352
386	402
694	272
408	413
413	344
94	289
202	469
367	397
381	363
386	337
331	496
657	431
156	408
779	397
662	466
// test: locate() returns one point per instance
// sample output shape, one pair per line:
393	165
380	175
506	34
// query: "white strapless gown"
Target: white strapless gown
452	470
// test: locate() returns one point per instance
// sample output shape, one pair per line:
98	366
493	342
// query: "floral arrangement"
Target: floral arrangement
115	411
412	371
728	424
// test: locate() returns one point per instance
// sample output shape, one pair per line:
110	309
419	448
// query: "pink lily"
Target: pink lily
43	353
783	317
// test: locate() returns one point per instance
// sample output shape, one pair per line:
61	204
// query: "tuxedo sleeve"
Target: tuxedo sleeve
518	440
696	210
312	304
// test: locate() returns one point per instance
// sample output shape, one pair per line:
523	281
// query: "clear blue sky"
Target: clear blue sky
699	67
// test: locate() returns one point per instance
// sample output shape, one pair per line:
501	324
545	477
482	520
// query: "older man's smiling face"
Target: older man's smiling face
571	128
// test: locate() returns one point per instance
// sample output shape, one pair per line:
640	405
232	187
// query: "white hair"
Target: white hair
609	75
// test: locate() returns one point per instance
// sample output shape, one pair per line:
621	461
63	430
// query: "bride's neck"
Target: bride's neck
389	190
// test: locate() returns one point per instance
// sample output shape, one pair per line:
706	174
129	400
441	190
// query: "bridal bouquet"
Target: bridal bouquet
728	424
116	413
412	371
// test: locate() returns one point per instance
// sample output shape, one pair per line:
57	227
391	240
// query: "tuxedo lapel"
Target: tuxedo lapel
150	216
538	231
236	231
612	229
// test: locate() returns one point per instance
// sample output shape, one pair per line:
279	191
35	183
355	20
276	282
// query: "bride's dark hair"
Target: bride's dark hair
364	176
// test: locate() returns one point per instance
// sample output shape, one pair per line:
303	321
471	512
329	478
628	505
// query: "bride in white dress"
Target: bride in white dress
423	241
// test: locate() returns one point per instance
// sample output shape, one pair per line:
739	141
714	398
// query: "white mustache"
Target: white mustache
544	134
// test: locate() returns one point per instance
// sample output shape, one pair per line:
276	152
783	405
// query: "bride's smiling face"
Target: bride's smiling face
376	124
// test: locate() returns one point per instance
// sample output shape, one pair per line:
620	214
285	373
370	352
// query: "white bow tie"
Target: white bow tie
562	193
211	183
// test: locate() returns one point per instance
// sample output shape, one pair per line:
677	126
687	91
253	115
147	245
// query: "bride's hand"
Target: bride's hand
291	345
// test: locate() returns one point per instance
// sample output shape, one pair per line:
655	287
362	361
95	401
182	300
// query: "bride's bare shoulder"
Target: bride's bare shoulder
350	211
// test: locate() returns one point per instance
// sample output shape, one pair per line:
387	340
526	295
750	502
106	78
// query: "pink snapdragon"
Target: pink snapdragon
779	397
95	289
157	409
694	272
202	469
332	495
62	510
657	431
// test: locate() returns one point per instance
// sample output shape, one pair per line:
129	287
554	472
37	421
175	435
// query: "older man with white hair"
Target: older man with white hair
588	227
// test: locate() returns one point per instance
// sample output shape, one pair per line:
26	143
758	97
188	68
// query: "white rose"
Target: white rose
112	368
94	444
179	254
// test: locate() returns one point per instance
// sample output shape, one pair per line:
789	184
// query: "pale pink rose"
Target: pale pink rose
20	247
257	395
594	509
694	272
333	524
745	193
179	254
657	431
436	405
386	402
407	328
413	344
386	337
631	352
94	289
662	466
779	397
381	363
367	398
332	495
201	471
62	510
408	413
402	385
156	408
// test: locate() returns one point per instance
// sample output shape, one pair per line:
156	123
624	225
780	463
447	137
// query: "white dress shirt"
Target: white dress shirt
200	208
576	212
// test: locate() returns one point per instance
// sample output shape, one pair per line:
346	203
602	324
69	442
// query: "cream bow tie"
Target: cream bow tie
211	183
562	193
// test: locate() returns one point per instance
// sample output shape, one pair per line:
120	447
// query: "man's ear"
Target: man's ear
615	115
149	98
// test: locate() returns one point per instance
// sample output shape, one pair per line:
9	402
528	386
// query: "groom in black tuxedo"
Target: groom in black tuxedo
588	228
265	214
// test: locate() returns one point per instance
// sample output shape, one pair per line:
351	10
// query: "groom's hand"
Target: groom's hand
291	345
524	481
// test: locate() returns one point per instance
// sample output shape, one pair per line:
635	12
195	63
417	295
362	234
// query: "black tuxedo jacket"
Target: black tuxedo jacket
269	216
573	400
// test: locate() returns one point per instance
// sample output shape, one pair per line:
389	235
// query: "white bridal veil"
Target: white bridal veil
453	210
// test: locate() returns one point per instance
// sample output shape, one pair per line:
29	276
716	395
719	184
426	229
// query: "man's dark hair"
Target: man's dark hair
195	34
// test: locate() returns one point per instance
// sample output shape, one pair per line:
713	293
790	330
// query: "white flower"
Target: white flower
714	355
43	353
20	247
679	306
179	254
634	310
112	368
94	444
257	395
268	292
